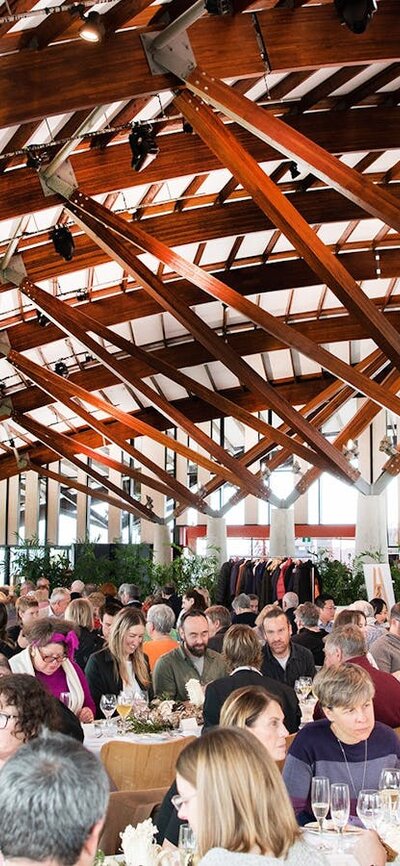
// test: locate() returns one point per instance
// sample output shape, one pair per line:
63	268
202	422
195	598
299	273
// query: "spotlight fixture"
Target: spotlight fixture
388	447
350	451
93	29
265	473
356	14
63	242
149	503
296	468
42	320
12	443
82	295
142	142
61	369
294	170
187	127
219	7
3	388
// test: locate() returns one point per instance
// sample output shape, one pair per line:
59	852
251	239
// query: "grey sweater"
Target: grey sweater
386	652
300	854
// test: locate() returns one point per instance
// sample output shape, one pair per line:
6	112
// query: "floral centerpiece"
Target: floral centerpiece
164	715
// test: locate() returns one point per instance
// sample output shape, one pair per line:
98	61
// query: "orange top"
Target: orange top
156	648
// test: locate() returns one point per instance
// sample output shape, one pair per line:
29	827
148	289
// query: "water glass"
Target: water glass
389	786
108	704
320	792
370	808
340	806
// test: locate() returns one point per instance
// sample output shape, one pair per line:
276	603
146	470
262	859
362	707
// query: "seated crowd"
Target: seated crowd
83	643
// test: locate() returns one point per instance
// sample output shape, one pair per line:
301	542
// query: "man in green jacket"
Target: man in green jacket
191	660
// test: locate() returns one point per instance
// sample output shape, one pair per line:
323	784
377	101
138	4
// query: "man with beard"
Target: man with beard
191	660
284	660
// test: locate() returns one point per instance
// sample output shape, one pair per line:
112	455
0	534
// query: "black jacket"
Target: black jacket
218	691
314	641
103	678
299	664
89	642
215	643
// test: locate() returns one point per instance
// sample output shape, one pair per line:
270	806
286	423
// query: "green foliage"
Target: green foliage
188	569
33	560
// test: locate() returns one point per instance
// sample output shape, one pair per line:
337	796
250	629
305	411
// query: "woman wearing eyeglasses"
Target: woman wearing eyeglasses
49	657
24	708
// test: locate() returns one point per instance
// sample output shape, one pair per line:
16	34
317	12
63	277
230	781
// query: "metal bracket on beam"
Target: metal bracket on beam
64	182
14	272
363	486
6	408
176	57
5	345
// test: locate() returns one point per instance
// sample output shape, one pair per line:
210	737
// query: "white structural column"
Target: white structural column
13	510
31	504
282	538
162	551
114	513
82	505
216	538
3	516
53	507
371	528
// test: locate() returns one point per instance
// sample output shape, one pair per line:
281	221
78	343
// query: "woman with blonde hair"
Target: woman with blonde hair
121	665
254	708
80	612
232	795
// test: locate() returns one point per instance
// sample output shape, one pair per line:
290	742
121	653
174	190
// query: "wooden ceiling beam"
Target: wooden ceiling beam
287	335
120	250
61	444
305	38
378	202
284	215
73	484
98	171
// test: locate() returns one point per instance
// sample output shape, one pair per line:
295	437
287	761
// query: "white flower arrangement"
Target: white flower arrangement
138	844
195	692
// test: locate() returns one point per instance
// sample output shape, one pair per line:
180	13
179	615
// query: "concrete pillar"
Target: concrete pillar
3	514
282	539
53	507
31	504
251	502
216	538
13	510
82	505
371	528
162	551
114	513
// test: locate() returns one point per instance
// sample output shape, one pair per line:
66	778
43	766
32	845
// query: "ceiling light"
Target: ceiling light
294	170
93	29
63	242
356	14
61	369
42	320
219	7
187	127
142	142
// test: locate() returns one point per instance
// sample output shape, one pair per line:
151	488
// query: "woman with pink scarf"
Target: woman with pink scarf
49	657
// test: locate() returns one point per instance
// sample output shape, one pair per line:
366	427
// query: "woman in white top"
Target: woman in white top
232	795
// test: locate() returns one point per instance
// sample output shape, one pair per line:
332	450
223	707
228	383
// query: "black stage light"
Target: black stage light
93	29
356	14
42	320
61	369
187	127
63	242
219	7
142	142
294	170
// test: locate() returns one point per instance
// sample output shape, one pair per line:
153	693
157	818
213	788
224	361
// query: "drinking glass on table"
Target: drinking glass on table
320	791
123	707
389	786
340	807
65	698
108	704
302	687
370	808
186	844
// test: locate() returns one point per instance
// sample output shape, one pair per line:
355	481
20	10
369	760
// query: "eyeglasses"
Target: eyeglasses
178	801
4	717
48	659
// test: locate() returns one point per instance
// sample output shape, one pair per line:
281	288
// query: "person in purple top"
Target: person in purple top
347	746
49	657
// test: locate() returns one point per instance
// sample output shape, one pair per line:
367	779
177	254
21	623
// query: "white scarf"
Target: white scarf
22	664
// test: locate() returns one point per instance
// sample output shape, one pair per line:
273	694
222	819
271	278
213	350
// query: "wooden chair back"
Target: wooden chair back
289	741
127	807
140	766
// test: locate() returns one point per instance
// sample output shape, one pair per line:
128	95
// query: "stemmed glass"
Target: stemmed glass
186	844
340	807
65	698
302	687
108	704
123	707
389	786
320	790
370	808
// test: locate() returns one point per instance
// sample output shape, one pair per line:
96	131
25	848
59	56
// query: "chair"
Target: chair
289	741
127	807
140	766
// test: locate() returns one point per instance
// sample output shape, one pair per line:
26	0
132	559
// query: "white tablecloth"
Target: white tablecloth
93	742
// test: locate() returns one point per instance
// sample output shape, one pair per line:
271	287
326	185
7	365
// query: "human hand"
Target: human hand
85	715
369	850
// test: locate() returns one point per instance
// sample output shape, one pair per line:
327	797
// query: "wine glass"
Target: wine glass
340	807
186	844
389	786
123	707
370	808
65	698
320	789
302	687
108	704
